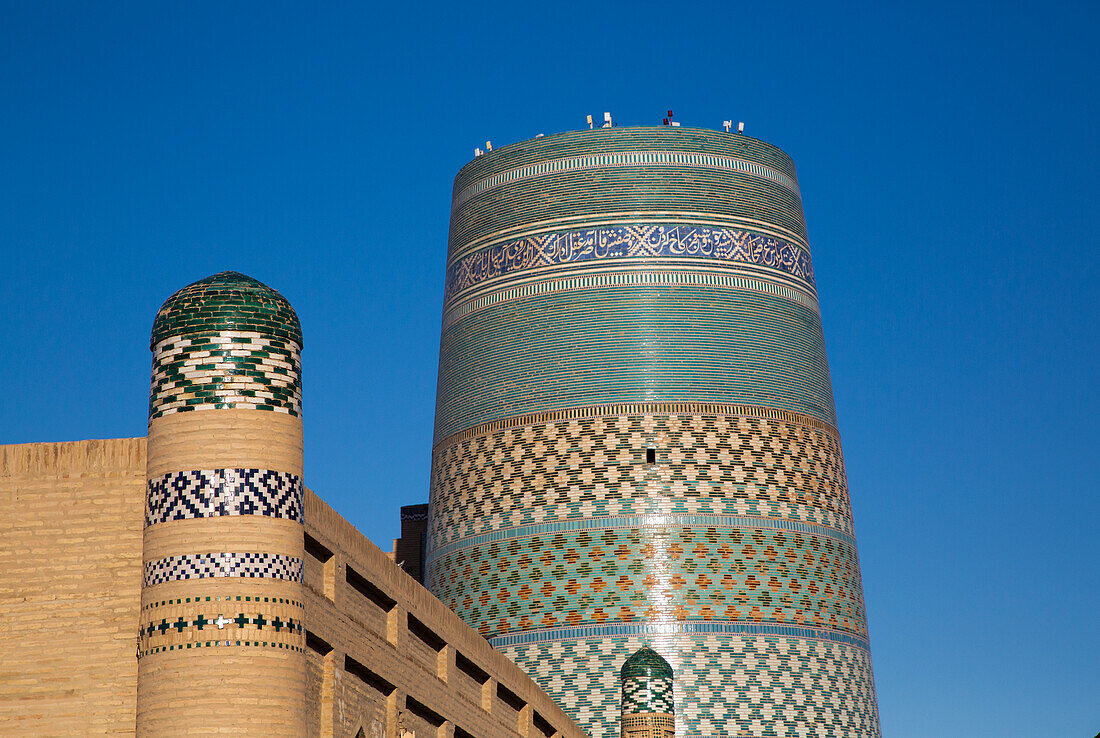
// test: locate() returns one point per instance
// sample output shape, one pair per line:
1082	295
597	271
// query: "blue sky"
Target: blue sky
948	161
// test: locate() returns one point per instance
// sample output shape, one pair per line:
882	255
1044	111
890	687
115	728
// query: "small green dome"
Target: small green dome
228	301
645	663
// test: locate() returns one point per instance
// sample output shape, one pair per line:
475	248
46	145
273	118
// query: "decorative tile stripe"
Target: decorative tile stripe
625	159
642	408
210	644
220	598
201	566
208	493
641	521
620	275
622	242
651	629
219	621
229	369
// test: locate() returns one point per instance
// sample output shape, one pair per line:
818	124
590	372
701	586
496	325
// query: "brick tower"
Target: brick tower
220	648
635	436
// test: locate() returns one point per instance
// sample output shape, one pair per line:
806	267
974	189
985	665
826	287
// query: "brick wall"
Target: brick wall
70	580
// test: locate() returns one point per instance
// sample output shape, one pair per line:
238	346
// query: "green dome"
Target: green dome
228	301
645	663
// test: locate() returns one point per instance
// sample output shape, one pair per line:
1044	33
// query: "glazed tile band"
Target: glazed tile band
219	598
624	242
640	521
202	566
227	369
690	627
678	273
210	644
208	493
641	408
625	159
220	622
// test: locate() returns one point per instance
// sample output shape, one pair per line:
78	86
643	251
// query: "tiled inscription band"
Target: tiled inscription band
689	627
622	242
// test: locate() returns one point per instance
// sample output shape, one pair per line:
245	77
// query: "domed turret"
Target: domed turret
647	701
223	539
226	301
645	663
227	341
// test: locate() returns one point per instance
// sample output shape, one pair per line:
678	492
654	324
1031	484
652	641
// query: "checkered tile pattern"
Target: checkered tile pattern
653	694
201	566
725	686
229	369
207	493
594	467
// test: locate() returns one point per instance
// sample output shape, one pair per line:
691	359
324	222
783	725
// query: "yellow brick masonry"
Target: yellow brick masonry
221	439
70	610
191	682
70	580
355	627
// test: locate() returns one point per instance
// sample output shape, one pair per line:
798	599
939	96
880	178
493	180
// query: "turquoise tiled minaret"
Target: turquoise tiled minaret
635	434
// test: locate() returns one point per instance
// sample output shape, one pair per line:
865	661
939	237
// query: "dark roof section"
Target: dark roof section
228	301
645	663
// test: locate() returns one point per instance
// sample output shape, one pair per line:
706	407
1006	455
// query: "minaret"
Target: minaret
635	437
647	703
220	647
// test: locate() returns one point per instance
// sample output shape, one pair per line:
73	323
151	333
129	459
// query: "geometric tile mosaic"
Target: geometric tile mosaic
227	369
563	546
200	566
623	576
205	493
595	467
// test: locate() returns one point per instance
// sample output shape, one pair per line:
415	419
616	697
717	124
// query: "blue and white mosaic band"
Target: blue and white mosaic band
234	369
208	493
623	242
244	565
